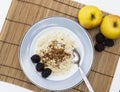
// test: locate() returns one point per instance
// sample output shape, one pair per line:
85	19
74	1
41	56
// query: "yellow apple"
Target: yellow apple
89	16
110	26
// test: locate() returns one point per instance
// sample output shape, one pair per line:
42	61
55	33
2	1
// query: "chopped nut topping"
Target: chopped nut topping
56	52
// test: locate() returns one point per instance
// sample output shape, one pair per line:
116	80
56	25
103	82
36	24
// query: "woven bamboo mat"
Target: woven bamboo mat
24	13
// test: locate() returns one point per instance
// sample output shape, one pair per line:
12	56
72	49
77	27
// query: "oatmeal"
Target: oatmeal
55	49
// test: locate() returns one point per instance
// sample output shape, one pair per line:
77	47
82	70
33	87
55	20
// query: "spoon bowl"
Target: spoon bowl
76	60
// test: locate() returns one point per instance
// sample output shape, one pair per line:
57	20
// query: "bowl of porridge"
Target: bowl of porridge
46	53
55	48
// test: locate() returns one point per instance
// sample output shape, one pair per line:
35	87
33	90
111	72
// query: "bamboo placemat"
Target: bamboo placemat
24	13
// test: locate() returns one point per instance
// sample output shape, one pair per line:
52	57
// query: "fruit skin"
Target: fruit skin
35	58
40	67
110	26
90	16
100	38
101	42
99	47
46	72
109	42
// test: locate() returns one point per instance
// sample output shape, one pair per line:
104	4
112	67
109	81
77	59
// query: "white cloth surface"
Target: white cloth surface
4	7
7	87
110	6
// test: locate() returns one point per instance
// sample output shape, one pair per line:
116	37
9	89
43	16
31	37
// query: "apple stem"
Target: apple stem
92	16
115	24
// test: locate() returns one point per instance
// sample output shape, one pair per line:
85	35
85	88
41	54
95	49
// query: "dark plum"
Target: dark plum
35	58
46	72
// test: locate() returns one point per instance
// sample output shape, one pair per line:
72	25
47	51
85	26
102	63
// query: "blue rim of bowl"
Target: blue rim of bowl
44	20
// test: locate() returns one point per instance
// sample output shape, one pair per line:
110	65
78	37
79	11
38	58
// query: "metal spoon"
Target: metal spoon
76	60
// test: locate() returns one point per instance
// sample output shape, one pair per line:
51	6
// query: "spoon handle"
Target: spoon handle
86	80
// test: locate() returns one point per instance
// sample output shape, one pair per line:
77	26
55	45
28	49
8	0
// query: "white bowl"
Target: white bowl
86	51
52	30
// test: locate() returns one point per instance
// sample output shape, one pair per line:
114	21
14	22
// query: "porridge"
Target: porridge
55	49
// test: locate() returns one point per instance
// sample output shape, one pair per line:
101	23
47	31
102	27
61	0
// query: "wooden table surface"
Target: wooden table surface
22	14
